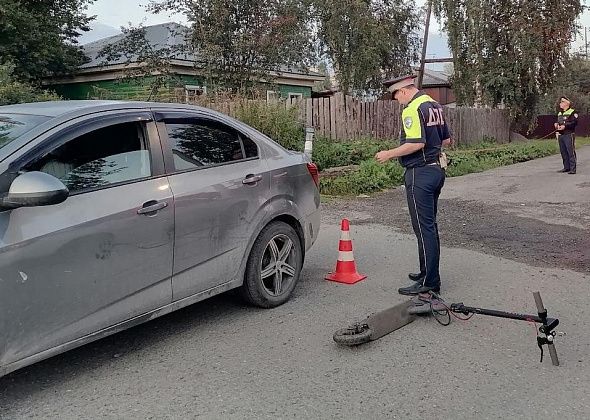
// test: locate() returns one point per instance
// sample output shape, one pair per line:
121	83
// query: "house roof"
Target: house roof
166	35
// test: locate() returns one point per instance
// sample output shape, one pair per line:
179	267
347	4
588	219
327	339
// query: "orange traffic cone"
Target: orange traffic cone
345	266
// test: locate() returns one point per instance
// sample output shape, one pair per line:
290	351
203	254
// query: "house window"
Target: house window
294	97
272	96
191	92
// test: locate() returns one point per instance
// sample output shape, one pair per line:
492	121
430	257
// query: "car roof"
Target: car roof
63	108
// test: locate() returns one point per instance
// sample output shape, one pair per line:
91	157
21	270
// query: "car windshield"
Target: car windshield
13	126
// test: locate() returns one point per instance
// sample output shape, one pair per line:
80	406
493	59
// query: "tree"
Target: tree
39	37
368	40
239	43
573	81
508	52
327	82
145	62
14	92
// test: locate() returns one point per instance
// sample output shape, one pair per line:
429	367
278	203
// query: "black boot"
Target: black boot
416	288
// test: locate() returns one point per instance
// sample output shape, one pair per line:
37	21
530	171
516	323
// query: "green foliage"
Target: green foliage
371	176
366	39
327	82
275	121
573	81
329	154
14	92
508	52
238	42
39	37
155	72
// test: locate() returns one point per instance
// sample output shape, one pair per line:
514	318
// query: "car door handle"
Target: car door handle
251	179
152	207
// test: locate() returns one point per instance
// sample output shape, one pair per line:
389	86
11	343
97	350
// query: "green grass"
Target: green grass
371	176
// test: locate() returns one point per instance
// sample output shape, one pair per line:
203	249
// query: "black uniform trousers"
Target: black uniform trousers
567	148
423	187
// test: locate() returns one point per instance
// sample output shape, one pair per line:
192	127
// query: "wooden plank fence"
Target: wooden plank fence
341	117
345	118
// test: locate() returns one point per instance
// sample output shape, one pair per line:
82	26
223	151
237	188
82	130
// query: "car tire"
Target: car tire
273	266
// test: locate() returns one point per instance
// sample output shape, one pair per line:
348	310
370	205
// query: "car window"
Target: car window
249	147
13	126
205	143
110	155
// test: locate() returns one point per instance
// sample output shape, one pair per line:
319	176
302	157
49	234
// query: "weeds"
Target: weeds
276	121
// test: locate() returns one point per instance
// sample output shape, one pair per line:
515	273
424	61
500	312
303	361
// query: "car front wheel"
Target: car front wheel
273	267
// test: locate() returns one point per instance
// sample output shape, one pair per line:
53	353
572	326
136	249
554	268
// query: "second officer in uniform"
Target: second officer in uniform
567	119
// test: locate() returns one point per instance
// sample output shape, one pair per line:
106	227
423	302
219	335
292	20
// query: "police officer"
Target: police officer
567	119
423	135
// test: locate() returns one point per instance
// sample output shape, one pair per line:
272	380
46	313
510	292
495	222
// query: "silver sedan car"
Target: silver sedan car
115	213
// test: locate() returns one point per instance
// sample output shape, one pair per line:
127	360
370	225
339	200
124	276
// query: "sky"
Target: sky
117	13
112	14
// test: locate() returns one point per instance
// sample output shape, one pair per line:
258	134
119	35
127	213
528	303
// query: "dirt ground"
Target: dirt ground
492	229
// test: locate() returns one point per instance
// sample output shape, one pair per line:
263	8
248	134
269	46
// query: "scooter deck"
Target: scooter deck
389	320
376	325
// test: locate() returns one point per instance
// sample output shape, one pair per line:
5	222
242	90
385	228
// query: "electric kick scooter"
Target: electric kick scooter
382	323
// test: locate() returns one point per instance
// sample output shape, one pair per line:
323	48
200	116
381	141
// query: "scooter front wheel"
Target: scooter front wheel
353	335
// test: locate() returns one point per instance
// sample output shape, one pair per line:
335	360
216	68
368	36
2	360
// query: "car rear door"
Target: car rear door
220	182
101	257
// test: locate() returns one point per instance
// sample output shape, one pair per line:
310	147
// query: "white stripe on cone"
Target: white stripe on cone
345	256
345	235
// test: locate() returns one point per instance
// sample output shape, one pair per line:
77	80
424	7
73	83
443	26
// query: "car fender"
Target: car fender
276	207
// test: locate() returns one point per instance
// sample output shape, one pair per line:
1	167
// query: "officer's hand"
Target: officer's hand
383	156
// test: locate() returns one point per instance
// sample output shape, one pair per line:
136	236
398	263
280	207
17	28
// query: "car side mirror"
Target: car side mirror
33	189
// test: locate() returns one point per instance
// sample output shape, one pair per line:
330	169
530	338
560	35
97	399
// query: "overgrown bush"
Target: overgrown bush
371	176
277	122
328	153
15	92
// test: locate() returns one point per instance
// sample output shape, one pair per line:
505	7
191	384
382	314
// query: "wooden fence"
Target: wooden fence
545	129
342	117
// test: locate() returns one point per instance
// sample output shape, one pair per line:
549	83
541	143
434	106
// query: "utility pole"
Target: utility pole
424	45
586	40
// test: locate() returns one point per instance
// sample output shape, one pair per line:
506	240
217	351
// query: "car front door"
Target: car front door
102	256
220	183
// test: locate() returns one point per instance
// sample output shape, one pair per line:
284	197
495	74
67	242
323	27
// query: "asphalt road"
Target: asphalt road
220	359
525	212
